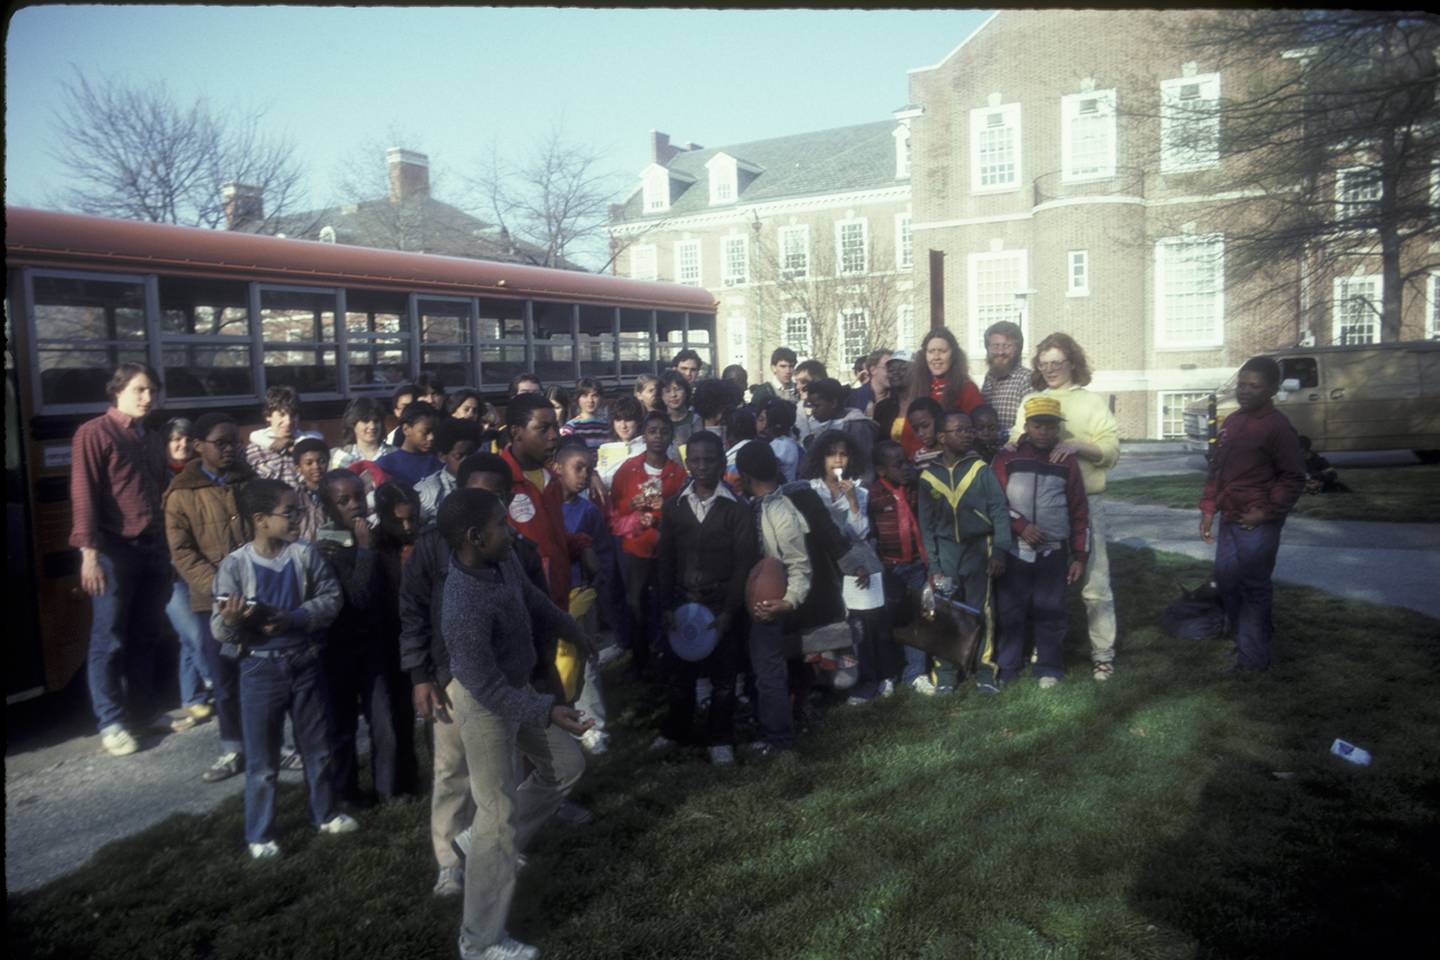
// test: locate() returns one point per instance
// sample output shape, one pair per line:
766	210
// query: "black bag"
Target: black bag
1196	615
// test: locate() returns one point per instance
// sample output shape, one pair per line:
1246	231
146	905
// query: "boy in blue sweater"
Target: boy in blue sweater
414	461
274	598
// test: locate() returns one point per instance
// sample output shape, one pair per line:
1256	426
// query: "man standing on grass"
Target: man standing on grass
1256	476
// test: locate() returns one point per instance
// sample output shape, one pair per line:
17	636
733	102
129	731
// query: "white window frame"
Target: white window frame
905	343
1432	316
1342	296
699	279
656	190
903	157
1077	287
1070	114
1172	159
730	277
636	261
1160	399
972	296
904	242
724	179
842	326
1164	255
1357	206
840	226
803	232
794	342
979	123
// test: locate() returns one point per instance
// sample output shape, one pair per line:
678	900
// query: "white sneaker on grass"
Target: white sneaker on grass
595	742
117	741
264	851
1049	683
507	949
887	688
450	882
722	756
340	823
923	686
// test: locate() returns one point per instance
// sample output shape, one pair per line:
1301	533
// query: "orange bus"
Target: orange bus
222	316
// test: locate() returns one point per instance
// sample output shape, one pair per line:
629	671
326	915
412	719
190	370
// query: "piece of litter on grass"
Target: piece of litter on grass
1007	732
1138	731
1348	751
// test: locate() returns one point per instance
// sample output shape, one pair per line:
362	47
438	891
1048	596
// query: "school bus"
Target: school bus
222	316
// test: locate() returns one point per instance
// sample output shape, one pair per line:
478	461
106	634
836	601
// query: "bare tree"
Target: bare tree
556	197
137	154
1328	136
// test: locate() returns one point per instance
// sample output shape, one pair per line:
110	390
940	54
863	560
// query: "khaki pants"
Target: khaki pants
1095	589
450	806
507	813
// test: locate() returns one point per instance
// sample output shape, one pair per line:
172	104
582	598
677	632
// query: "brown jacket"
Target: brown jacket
203	525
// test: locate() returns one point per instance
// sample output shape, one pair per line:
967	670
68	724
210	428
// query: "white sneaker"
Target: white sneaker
887	688
1049	683
510	949
264	851
661	743
117	741
340	823
722	756
450	882
923	686
855	701
595	742
1103	671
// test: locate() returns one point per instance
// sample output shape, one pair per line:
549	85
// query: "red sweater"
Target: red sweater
540	516
1258	463
627	483
970	398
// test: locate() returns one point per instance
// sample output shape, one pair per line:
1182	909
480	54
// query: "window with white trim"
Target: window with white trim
1189	123
905	330
797	333
902	150
904	243
1171	407
687	262
723	176
995	148
1357	193
1189	292
1077	273
1087	135
643	263
1432	316
736	260
854	335
993	281
1357	310
851	242
795	252
656	184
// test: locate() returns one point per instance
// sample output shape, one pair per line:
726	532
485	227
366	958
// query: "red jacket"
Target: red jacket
894	520
627	483
1258	463
540	516
970	398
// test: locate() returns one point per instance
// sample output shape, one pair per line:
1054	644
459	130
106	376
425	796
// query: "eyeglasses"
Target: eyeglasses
1053	364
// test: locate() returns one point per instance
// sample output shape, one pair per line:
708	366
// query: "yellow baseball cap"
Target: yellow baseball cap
1040	406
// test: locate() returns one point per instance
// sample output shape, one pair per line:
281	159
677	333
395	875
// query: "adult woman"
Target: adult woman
1089	433
944	379
675	393
362	433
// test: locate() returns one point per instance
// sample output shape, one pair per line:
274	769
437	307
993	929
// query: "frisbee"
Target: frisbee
694	635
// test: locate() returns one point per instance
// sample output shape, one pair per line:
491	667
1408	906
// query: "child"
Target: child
274	599
488	613
195	682
925	416
963	513
397	515
1050	518
987	431
362	435
641	487
647	391
455	440
900	545
776	423
587	423
559	398
711	402
740	429
357	656
675	396
311	456
705	550
403	396
269	451
1256	475
626	441
413	461
1320	477
582	517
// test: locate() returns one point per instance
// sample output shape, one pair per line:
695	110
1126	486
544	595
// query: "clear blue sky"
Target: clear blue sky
458	78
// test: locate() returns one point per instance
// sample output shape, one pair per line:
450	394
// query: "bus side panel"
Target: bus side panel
65	628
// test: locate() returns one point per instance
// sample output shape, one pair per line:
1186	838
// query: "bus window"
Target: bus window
298	328
84	329
597	342
446	346
554	342
636	342
205	338
377	332
502	341
670	328
698	339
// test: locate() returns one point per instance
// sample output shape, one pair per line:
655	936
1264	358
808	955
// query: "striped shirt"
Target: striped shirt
1006	395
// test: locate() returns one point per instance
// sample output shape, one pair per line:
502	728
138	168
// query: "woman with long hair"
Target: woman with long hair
362	434
939	371
1089	434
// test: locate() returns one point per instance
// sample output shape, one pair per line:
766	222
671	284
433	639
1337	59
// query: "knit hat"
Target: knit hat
1043	408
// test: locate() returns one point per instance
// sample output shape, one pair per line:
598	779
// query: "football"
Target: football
766	582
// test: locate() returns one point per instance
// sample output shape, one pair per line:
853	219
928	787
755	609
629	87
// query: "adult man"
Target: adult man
782	370
1007	381
806	374
874	385
117	475
688	363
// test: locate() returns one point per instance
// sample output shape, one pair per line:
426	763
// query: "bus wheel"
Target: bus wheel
1428	456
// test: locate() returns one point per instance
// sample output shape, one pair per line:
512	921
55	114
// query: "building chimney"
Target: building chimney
409	174
660	149
244	203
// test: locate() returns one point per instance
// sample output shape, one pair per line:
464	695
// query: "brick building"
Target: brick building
804	239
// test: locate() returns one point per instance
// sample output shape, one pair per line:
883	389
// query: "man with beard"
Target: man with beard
1006	380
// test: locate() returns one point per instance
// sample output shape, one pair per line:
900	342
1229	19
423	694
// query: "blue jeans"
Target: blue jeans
900	579
194	670
126	622
769	666
269	688
225	674
1031	597
1244	561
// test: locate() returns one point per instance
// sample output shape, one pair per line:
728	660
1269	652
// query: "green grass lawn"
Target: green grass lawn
1389	494
1142	819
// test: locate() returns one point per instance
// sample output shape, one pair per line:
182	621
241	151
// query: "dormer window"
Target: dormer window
723	174
656	180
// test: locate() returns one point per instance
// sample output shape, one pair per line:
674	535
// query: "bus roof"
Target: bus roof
47	238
